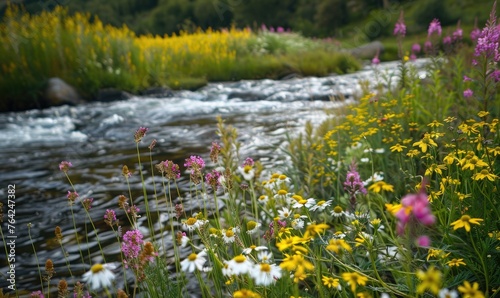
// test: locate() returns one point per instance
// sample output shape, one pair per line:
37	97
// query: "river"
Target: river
98	138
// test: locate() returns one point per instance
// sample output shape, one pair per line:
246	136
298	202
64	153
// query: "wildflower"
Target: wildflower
229	235
445	293
131	244
248	172
58	233
288	242
49	268
456	262
379	186
304	203
321	205
353	183
354	279
212	179
375	60
62	288
488	40
182	239
72	196
434	27
110	218
195	164
244	293
169	169
99	276
397	148
140	133
484	174
400	27
214	152
425	143
265	274
194	261
429	280
469	291
415	207
423	241
393	208
37	294
87	203
337	211
65	165
314	229
362	239
465	221
263	199
436	253
284	213
191	224
468	93
447	40
298	264
240	265
251	248
252	227
336	245
331	282
415	48
264	256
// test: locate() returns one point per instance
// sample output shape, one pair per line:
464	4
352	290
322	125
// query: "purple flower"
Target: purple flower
212	179
353	183
428	46
214	152
140	133
447	40
434	27
488	41
376	60
400	27
37	294
415	209
424	241
170	169
495	75
131	244
248	162
475	33
467	79
195	164
280	30
110	217
87	203
415	48
468	93
413	57
65	165
457	35
72	196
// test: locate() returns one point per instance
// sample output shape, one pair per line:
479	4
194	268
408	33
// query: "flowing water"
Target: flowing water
98	139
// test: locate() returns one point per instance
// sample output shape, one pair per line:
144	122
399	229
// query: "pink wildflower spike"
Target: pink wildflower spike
423	241
434	27
140	133
65	165
400	27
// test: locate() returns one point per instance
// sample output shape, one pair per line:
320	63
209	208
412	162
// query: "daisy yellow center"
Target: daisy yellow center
191	221
97	268
247	169
303	202
240	259
275	175
484	172
192	257
320	203
262	198
265	267
285	214
282	192
253	246
251	225
229	233
338	209
282	177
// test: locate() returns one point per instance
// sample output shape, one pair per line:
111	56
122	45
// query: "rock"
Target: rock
368	51
58	92
157	92
112	94
246	96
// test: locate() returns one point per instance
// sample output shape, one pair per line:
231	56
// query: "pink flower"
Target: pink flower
447	40
131	244
248	162
434	27
424	241
468	93
195	164
353	183
110	217
65	165
428	46
400	27
140	133
375	60
467	79
213	179
415	48
489	39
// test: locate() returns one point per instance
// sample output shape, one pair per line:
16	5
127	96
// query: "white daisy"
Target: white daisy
263	199
194	261
229	234
239	265
248	250
364	159
247	172
253	227
99	276
377	176
284	213
265	274
265	257
305	203
226	270
379	150
445	293
191	224
338	211
297	223
321	205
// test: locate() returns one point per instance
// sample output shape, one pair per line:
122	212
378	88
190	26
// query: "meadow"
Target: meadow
393	196
91	56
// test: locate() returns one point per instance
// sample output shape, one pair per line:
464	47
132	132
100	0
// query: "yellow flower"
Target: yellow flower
354	279
381	185
336	244
244	293
435	123
289	242
298	264
436	253
413	153
462	196
314	229
430	280
449	159
364	295
397	147
425	143
331	282
435	168
482	114
465	221
393	209
469	291
484	174
472	163
456	262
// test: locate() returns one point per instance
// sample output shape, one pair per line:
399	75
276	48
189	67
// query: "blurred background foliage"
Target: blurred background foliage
318	18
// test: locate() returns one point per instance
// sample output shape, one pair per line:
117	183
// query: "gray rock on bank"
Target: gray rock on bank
368	51
58	92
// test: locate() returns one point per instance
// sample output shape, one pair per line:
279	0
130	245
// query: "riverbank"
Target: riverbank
90	56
